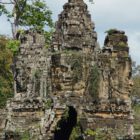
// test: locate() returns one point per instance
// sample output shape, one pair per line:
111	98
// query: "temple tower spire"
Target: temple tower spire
74	28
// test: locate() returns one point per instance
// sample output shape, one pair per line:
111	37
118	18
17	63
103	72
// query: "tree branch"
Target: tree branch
6	2
17	4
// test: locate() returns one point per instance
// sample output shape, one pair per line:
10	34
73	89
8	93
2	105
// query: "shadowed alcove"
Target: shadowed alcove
65	126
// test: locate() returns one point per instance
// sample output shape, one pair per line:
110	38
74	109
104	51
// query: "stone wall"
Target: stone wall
3	115
31	66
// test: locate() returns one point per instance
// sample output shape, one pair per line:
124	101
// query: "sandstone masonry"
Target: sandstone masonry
74	89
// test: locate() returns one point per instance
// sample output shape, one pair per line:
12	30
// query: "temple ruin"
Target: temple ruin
74	89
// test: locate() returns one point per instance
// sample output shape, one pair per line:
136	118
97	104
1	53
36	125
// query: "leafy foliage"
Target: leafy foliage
122	44
27	13
48	37
136	86
3	10
136	81
48	104
6	78
111	31
90	132
36	15
13	45
76	133
136	95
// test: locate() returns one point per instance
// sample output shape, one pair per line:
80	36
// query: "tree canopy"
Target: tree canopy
27	13
23	14
136	81
6	78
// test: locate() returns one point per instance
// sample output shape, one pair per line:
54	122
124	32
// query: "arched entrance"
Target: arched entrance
66	125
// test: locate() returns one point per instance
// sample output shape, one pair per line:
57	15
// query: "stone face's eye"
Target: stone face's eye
64	69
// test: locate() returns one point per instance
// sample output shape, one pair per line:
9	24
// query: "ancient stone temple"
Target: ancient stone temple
73	90
73	47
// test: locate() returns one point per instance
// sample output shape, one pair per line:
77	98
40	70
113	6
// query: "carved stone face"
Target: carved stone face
68	73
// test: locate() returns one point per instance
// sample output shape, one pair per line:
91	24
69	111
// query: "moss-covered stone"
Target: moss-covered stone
90	132
94	79
122	44
76	133
25	136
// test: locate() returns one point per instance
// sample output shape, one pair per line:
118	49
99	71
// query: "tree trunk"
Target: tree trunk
15	24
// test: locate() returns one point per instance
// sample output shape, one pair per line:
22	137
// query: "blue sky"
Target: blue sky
106	14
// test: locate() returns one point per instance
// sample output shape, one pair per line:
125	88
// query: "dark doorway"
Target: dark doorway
66	125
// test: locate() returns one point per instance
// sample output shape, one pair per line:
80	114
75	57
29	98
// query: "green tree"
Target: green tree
6	78
29	14
13	45
136	86
26	13
136	95
136	80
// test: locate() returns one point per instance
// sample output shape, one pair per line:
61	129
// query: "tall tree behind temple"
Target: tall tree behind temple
6	78
26	13
136	81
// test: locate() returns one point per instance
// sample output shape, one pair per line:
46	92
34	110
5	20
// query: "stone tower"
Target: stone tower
73	57
114	104
30	72
74	28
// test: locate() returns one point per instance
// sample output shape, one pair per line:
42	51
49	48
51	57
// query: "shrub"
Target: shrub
111	31
122	44
76	133
6	76
13	45
90	132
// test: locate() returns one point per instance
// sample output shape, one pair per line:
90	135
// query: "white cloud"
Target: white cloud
121	14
